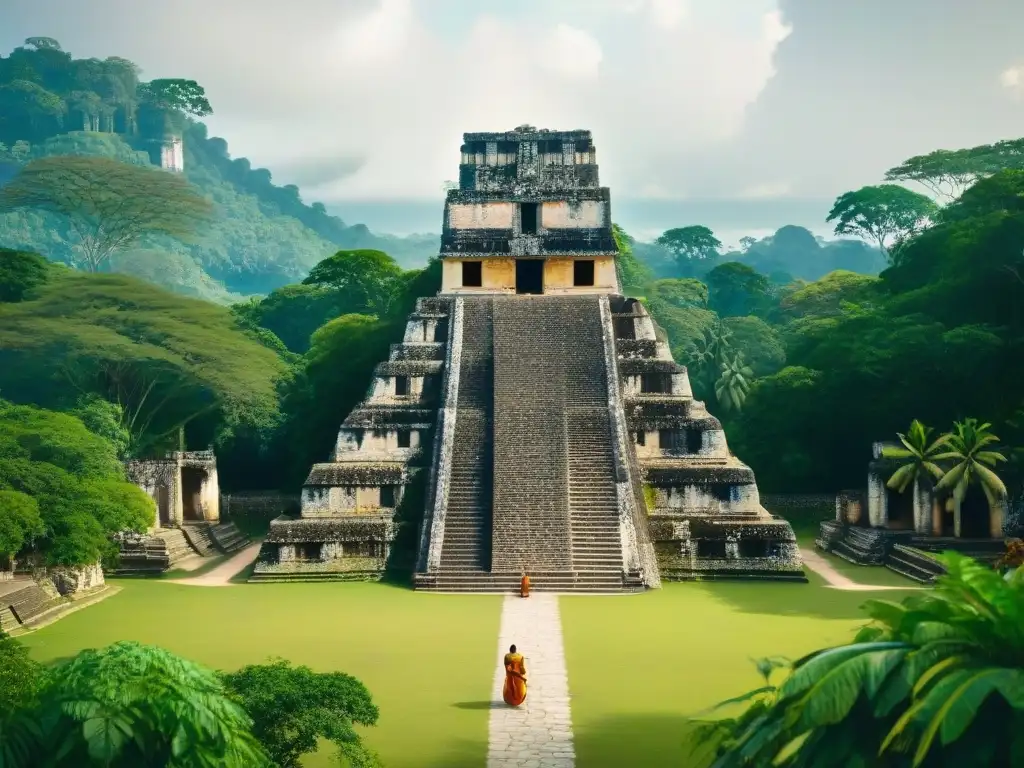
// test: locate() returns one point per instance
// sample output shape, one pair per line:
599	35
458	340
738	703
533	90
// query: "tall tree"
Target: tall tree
368	279
973	460
690	244
888	215
735	289
919	454
109	205
20	524
945	173
293	707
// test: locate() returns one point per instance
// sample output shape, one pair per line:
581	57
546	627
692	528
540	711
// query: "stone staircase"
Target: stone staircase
467	527
27	600
593	504
228	538
532	476
199	538
913	564
153	554
7	621
531	483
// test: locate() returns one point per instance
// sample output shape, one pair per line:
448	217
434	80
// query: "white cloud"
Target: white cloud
380	34
668	13
572	52
1012	77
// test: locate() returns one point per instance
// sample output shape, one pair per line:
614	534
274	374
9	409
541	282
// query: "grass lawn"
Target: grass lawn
421	655
639	665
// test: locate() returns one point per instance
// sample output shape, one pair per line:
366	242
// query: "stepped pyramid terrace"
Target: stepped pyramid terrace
538	411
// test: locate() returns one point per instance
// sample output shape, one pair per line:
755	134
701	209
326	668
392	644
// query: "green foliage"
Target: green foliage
759	343
733	383
167	361
887	214
20	524
74	479
973	460
20	272
633	273
129	705
735	290
920	454
937	680
334	376
293	707
365	280
690	244
20	681
108	205
173	270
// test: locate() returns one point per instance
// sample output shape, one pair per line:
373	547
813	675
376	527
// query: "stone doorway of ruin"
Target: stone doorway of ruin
163	506
974	515
529	276
192	481
900	507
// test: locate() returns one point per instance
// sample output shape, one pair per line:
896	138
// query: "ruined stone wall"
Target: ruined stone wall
638	548
573	214
481	215
559	276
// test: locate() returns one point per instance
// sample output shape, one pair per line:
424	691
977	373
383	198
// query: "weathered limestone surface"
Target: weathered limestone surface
349	504
537	734
705	515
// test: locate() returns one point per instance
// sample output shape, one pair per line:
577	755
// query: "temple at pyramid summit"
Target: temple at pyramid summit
532	419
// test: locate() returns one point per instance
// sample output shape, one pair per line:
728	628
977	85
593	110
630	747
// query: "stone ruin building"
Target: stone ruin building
186	513
541	410
904	530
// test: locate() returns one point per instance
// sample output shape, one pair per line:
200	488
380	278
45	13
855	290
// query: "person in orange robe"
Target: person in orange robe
514	691
524	586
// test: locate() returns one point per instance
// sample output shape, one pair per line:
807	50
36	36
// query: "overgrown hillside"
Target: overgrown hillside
262	236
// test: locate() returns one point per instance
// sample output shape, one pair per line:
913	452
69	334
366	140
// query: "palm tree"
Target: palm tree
935	681
971	465
734	383
919	453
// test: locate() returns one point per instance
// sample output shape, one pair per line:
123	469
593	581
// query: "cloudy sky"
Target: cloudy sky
359	100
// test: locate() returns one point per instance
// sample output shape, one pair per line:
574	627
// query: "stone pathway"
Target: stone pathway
836	580
221	575
539	733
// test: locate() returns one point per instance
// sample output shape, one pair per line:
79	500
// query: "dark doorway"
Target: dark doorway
401	386
472	274
694	440
529	276
900	507
528	218
192	479
711	548
655	383
974	515
163	506
308	551
404	438
755	548
583	273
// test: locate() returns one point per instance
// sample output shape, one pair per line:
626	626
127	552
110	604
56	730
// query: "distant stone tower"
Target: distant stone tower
557	434
172	154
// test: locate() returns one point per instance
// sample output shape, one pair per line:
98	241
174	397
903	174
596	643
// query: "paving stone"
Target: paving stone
539	733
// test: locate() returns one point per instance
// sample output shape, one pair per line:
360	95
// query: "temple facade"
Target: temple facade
529	217
883	526
538	410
